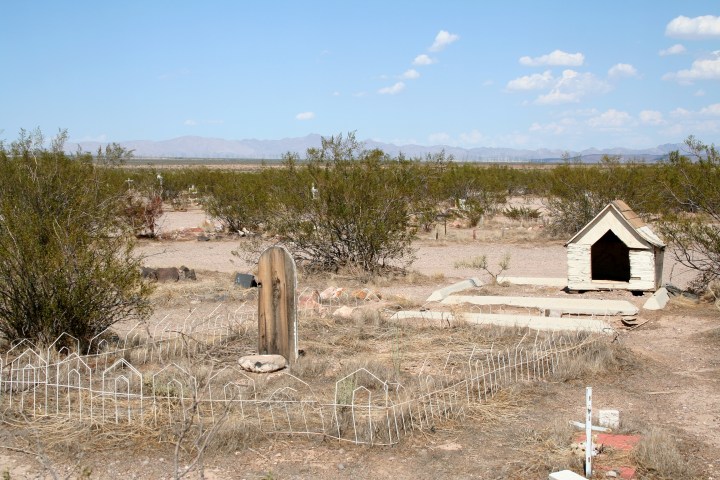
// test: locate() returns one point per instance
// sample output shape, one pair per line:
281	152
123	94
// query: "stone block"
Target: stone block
609	419
658	300
565	475
245	280
262	363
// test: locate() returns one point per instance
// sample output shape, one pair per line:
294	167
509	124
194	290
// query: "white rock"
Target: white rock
565	475
609	419
658	300
262	363
344	312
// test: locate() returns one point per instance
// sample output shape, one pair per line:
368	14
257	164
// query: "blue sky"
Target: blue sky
519	74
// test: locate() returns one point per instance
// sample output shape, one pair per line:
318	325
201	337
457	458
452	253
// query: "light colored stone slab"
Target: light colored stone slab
441	293
565	475
534	322
609	419
577	306
416	314
262	363
658	300
344	312
540	281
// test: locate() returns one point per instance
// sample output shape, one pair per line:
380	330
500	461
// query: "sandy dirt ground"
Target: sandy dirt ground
531	255
669	378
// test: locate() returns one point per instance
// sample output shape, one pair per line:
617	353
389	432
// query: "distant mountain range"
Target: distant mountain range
217	148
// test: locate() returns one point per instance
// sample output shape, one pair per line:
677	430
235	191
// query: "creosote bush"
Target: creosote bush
692	224
577	192
65	263
346	208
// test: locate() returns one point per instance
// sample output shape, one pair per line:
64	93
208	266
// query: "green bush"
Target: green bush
65	264
577	192
239	199
348	207
692	223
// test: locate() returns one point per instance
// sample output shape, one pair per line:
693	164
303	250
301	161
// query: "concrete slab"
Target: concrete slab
534	322
658	300
440	294
423	315
565	475
540	281
576	306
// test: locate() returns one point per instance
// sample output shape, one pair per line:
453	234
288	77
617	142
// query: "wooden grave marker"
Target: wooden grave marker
277	309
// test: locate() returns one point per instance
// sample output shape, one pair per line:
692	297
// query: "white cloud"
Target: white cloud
706	26
685	122
190	122
622	70
442	40
438	138
393	89
474	137
702	69
553	127
712	110
676	49
579	112
359	94
571	87
681	112
422	60
410	74
555	58
651	117
700	93
305	116
335	93
536	81
611	119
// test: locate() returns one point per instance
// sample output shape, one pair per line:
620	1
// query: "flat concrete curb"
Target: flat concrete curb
565	475
540	281
577	306
534	322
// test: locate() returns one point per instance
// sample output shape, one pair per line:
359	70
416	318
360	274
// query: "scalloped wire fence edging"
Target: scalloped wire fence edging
365	409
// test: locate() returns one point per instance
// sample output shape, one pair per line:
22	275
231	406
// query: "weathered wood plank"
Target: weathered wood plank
277	312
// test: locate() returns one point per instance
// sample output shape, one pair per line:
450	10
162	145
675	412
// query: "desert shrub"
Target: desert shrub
346	208
577	192
481	263
477	191
65	264
420	181
239	199
140	192
141	211
692	226
522	213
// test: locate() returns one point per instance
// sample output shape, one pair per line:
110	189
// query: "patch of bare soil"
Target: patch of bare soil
663	374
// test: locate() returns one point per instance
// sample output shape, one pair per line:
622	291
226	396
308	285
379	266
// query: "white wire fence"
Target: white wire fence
142	378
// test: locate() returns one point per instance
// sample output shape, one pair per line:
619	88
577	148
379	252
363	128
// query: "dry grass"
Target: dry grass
544	449
599	359
210	287
658	456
